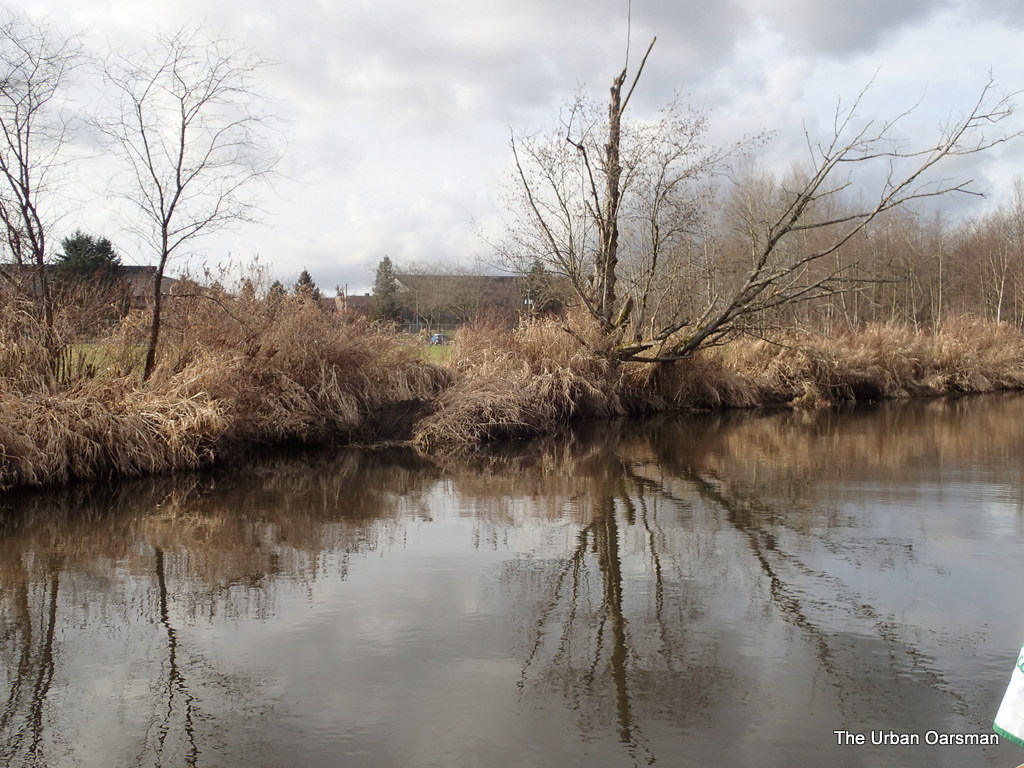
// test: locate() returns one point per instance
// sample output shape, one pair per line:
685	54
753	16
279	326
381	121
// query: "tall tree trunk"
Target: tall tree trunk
607	258
154	328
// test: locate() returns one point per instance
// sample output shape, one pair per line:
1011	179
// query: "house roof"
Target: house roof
139	278
420	281
363	303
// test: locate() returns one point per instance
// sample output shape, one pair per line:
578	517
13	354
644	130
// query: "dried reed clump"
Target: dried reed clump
234	372
533	380
284	370
24	359
520	383
880	362
704	381
103	430
279	377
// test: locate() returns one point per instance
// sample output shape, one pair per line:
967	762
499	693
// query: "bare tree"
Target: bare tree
1002	262
36	65
588	194
779	269
988	261
627	212
189	122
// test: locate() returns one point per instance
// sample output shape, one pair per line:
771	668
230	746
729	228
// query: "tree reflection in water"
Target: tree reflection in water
611	621
613	633
29	630
777	497
155	556
653	576
180	704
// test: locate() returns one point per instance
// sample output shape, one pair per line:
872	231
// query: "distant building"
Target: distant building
139	281
140	284
359	306
446	301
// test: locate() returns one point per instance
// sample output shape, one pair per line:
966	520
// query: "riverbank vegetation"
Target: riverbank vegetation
687	276
235	372
245	369
545	374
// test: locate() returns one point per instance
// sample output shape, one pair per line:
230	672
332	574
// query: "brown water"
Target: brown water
706	591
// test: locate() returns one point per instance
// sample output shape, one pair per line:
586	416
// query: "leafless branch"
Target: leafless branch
187	123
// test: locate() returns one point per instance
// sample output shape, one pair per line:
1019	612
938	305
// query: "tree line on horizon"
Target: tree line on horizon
907	268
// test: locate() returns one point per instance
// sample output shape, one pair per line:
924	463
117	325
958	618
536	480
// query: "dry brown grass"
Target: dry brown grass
881	362
531	381
102	430
241	371
23	361
283	370
234	373
522	383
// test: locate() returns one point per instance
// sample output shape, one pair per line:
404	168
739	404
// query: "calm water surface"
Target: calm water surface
698	591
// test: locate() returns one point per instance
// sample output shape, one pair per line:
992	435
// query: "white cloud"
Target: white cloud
399	110
839	28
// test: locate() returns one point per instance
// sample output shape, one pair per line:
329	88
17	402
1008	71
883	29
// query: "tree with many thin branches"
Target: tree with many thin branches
191	127
36	67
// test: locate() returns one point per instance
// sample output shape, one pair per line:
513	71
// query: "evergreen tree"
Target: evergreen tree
385	292
276	291
306	287
84	257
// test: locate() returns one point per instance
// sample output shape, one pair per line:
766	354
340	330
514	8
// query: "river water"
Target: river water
716	590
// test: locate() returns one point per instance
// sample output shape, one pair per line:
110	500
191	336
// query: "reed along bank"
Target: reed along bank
245	372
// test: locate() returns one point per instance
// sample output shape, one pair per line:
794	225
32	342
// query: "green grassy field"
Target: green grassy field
89	356
439	354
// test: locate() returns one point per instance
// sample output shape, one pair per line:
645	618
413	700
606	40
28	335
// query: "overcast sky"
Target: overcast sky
398	111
